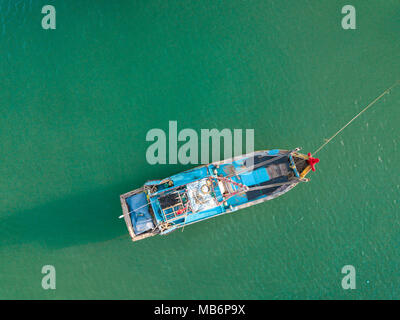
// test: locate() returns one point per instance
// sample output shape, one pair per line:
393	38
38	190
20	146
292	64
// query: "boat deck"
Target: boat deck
210	190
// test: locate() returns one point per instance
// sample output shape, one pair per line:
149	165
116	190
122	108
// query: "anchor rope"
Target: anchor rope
355	117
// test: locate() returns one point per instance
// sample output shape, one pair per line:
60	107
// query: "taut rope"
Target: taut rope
365	109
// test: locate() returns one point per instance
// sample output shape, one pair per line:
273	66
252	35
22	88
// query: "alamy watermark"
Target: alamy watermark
349	20
183	146
349	280
49	280
49	20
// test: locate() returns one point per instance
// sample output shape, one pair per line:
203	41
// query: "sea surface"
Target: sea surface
77	102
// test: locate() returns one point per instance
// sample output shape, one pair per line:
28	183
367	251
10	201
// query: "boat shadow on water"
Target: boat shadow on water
76	220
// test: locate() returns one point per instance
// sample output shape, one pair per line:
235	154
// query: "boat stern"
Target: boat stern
137	214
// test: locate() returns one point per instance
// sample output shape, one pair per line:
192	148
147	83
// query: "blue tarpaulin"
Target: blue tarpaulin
139	213
255	177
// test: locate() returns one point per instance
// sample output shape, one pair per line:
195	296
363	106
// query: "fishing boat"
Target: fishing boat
207	191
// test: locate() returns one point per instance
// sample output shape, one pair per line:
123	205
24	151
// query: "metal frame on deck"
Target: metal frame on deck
176	215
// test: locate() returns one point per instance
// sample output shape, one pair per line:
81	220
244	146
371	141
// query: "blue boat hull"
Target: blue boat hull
162	206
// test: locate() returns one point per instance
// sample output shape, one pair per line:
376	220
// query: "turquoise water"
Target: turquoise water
76	104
